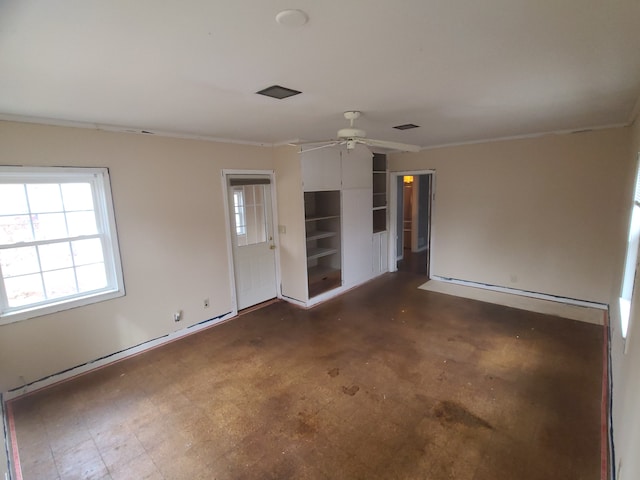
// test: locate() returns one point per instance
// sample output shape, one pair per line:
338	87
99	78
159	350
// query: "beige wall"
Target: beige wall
540	214
626	366
171	223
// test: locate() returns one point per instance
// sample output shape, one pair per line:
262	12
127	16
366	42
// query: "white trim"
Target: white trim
293	301
48	122
227	228
393	214
523	293
109	359
100	181
225	173
161	133
526	136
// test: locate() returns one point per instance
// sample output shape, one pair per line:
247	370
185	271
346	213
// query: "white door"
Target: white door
252	239
357	225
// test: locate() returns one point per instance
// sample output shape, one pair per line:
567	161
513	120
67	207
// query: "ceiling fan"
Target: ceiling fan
351	136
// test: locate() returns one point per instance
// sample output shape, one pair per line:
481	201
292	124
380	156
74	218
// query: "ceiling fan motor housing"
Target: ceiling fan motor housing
351	133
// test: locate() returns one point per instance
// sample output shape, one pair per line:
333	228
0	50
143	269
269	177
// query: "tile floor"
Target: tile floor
385	382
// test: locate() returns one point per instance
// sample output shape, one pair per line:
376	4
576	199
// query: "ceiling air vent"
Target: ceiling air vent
276	91
406	126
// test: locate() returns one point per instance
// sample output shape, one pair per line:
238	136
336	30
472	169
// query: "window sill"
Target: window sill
33	312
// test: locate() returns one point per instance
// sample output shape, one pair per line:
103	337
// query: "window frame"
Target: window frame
107	232
630	267
239	212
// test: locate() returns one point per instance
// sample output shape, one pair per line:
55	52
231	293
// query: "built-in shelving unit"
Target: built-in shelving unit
379	192
322	229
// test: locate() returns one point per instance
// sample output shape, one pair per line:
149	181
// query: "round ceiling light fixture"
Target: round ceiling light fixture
292	18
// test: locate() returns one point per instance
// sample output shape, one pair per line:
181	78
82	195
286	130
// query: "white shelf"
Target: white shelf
320	272
318	234
384	207
318	252
314	219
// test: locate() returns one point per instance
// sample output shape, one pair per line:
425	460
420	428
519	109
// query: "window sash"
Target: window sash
98	178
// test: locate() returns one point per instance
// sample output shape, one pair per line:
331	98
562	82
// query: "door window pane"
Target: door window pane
249	214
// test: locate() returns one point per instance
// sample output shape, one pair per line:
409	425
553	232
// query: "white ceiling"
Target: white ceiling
462	70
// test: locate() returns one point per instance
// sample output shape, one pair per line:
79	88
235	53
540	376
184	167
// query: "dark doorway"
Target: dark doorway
414	223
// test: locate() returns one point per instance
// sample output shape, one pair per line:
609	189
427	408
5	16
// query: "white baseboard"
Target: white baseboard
574	309
115	357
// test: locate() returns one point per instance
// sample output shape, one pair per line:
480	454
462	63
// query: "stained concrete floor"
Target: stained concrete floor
385	382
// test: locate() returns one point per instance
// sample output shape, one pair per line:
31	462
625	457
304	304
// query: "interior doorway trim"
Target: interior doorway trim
225	174
393	214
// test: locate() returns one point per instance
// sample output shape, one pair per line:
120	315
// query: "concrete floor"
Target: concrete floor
385	382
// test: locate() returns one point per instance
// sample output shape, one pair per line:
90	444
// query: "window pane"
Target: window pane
250	216
77	196
241	240
87	251
13	199
248	195
19	261
49	226
81	223
59	283
24	290
14	229
44	198
55	256
91	277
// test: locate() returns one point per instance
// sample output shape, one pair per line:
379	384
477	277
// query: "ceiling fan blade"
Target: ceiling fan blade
296	143
403	147
318	147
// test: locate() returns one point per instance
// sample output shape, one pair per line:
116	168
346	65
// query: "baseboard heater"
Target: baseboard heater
112	358
523	293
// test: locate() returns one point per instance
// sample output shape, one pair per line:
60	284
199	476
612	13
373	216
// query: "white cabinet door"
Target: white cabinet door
357	224
356	168
380	254
375	255
384	253
321	170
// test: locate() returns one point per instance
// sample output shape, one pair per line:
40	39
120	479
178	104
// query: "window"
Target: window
58	244
250	215
239	211
631	261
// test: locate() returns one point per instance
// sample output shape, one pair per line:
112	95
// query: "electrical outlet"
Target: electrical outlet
177	316
206	303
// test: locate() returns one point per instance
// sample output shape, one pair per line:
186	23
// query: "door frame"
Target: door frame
225	174
393	216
